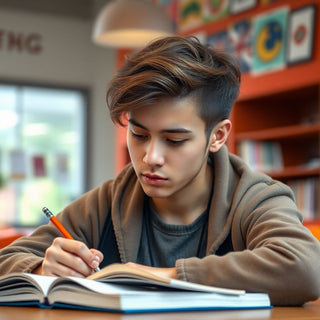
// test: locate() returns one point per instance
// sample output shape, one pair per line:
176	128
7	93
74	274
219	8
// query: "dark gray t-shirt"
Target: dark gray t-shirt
162	244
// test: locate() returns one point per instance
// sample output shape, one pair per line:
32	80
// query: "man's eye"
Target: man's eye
139	136
176	142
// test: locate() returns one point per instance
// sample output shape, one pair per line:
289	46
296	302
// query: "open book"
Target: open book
147	293
124	274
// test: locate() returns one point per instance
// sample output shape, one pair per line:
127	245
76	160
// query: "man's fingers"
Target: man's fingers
71	258
97	258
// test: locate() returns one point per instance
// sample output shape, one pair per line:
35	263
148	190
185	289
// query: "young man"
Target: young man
185	207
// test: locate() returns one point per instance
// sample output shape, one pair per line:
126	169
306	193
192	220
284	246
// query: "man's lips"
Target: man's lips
153	179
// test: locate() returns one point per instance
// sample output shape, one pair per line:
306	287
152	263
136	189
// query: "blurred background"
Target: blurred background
56	139
57	57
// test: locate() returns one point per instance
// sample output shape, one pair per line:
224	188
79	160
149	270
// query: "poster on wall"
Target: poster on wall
61	169
18	164
237	6
220	41
189	14
266	2
240	37
301	34
269	40
170	8
215	10
39	166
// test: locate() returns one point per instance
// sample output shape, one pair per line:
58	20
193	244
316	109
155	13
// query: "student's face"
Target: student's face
168	147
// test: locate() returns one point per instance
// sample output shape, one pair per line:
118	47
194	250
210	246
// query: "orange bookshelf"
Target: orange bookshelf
281	106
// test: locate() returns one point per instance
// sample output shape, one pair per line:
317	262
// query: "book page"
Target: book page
44	282
77	284
118	270
18	287
121	273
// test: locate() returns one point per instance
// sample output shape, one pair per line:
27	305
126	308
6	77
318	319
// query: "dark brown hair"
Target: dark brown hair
176	67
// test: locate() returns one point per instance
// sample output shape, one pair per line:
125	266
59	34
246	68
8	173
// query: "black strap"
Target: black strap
108	244
225	247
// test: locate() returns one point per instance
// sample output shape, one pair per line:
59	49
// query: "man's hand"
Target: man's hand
67	257
166	272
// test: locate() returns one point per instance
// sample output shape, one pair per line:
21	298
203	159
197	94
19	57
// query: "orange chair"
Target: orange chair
8	235
314	227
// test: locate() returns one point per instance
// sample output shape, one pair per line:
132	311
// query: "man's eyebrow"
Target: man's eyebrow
137	124
169	130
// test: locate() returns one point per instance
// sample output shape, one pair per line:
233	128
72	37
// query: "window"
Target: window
42	151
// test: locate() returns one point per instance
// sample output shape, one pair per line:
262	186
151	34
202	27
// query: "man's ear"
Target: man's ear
219	135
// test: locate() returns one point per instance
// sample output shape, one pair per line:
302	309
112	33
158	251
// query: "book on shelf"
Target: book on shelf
305	191
121	288
261	155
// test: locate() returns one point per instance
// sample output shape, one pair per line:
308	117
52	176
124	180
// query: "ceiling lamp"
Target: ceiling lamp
130	24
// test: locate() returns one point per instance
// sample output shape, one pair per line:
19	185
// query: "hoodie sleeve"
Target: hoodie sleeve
83	218
273	251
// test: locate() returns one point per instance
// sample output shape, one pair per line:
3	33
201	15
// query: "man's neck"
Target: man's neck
186	206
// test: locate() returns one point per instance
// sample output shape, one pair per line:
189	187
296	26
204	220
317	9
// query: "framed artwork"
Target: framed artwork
301	34
269	40
237	6
215	10
240	37
170	8
190	14
39	166
220	41
266	2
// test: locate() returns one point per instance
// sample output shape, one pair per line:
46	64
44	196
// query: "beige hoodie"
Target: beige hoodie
273	252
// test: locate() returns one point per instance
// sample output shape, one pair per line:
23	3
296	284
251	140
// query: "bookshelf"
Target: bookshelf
290	118
280	106
283	108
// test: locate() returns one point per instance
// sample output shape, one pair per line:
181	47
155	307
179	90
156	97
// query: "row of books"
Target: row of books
261	155
266	156
305	191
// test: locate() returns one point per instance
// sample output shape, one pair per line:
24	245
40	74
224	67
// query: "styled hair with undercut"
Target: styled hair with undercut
174	67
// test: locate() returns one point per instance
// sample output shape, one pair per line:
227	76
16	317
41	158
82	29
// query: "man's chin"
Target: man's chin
154	192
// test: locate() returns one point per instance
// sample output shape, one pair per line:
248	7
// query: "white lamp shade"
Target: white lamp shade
130	24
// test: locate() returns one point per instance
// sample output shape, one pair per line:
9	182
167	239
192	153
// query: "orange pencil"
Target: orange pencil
57	223
59	226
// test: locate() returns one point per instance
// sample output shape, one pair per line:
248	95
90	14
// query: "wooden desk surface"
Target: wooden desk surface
310	311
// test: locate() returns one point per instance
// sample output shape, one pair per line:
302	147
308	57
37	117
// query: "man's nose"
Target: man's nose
154	154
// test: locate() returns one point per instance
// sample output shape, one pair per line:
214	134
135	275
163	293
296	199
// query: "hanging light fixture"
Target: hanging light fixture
130	24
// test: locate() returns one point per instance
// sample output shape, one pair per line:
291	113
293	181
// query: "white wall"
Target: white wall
67	57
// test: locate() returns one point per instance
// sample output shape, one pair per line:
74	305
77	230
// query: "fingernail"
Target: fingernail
94	264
